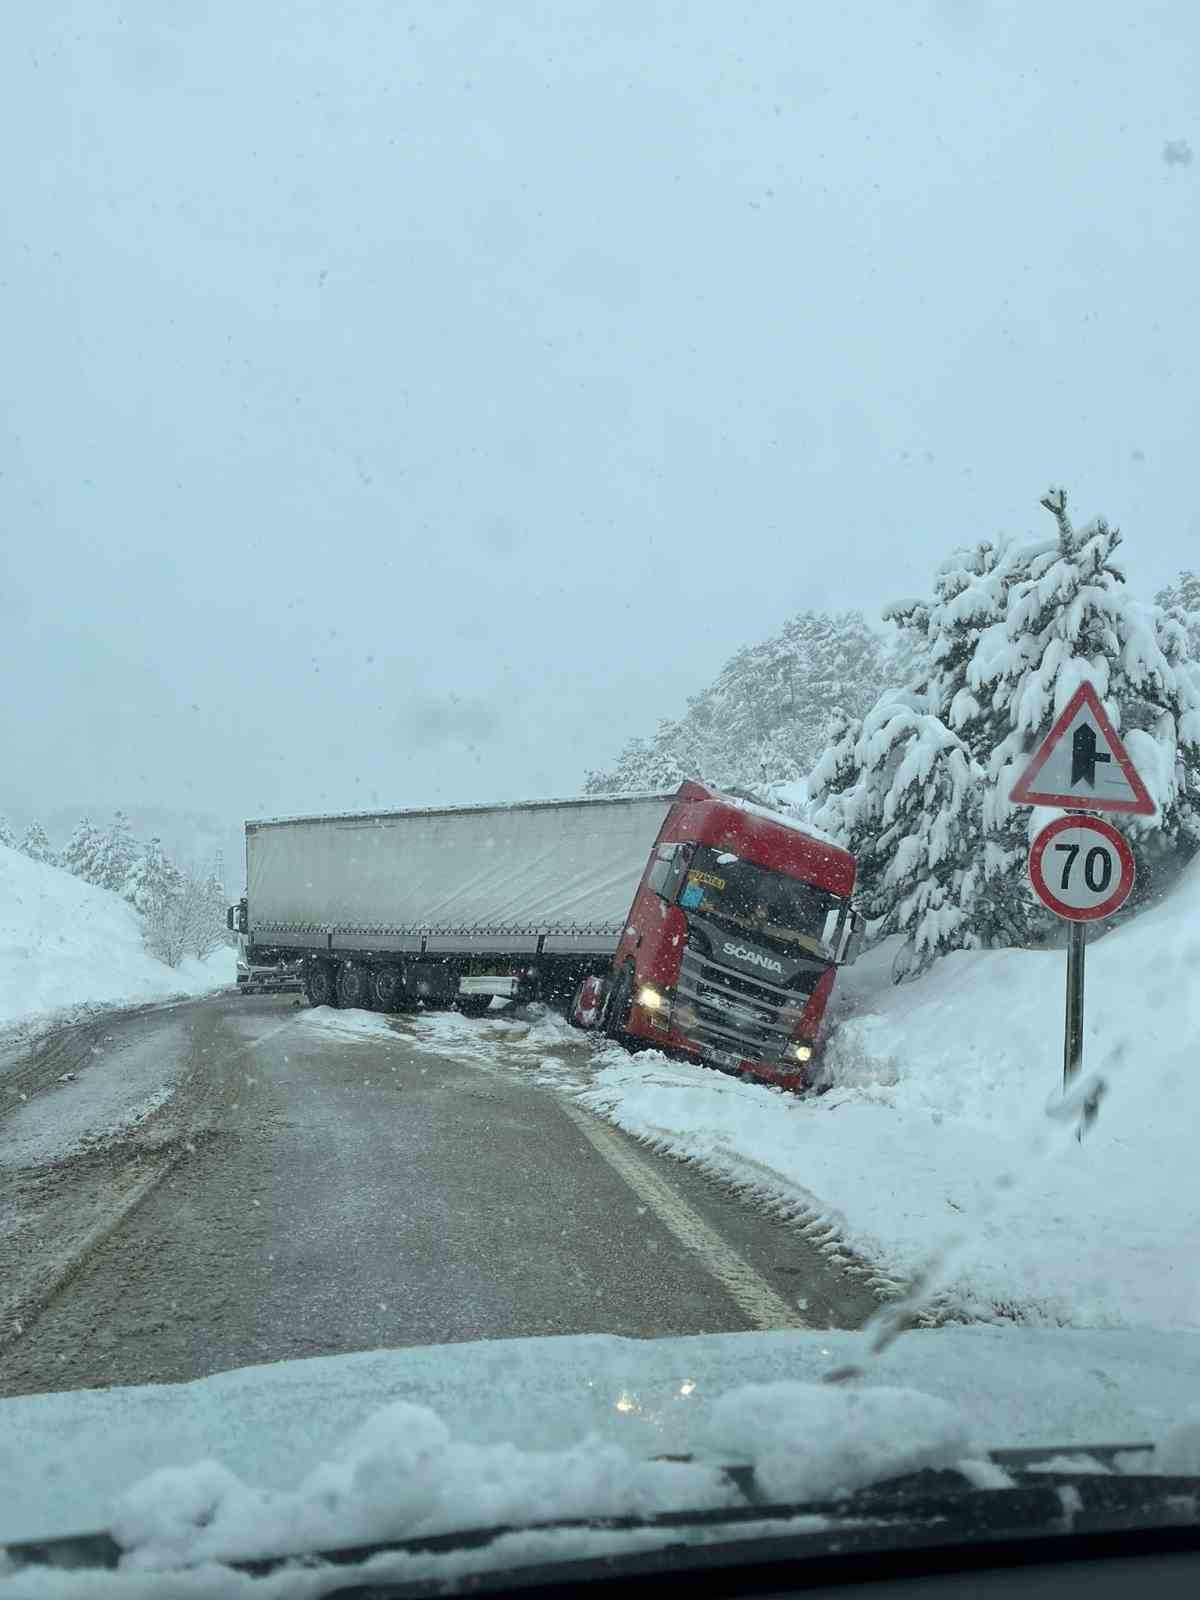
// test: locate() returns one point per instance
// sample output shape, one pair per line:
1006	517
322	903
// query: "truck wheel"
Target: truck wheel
318	984
353	991
616	1012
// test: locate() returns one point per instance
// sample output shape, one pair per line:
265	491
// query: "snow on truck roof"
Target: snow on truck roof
469	810
808	829
751	807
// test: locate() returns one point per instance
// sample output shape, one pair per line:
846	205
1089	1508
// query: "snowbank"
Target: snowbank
353	1024
945	1138
66	947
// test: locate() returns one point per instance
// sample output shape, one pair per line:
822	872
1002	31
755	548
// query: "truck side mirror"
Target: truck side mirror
842	934
670	863
680	862
229	916
852	941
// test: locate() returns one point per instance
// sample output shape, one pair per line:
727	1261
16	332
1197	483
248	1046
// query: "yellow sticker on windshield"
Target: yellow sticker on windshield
709	878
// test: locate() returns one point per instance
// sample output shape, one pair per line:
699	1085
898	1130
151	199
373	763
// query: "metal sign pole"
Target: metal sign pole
1081	766
1073	1041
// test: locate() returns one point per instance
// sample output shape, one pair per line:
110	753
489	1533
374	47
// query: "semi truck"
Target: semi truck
694	920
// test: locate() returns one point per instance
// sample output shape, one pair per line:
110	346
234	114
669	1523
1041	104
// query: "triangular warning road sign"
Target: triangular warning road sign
1082	764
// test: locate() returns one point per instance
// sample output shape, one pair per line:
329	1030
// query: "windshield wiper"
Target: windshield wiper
1040	1514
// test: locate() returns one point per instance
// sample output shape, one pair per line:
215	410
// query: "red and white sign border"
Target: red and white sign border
1024	792
1043	890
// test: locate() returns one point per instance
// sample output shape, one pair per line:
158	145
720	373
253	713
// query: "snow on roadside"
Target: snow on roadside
68	949
351	1023
531	1041
942	1134
99	1107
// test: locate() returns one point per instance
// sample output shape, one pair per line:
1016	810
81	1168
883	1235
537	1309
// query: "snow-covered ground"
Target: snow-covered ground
532	1042
122	1088
945	1138
943	1142
67	948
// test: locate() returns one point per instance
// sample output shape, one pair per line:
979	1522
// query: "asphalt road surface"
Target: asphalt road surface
301	1192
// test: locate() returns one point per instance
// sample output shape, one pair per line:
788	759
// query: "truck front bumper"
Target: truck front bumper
655	1028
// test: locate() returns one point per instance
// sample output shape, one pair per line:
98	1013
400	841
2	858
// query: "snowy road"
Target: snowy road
320	1182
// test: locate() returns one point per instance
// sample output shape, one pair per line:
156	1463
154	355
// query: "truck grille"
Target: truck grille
744	1016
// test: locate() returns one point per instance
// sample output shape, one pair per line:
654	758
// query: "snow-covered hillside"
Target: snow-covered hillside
945	1136
66	947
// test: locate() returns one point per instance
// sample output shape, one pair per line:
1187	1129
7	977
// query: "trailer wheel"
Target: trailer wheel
318	984
620	998
387	986
474	1005
353	989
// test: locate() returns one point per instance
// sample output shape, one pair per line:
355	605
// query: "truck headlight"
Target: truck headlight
656	1003
802	1052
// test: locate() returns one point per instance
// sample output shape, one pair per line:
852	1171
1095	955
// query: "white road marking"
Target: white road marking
751	1293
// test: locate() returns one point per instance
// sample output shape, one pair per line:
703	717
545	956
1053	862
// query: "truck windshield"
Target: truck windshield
760	901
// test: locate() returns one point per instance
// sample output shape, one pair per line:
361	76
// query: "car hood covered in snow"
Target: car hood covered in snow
68	1459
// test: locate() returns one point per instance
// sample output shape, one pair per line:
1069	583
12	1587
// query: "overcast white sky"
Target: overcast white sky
406	403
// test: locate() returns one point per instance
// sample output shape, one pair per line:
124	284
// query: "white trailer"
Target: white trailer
392	908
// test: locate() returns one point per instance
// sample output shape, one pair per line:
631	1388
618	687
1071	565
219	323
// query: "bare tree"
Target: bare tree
166	926
205	915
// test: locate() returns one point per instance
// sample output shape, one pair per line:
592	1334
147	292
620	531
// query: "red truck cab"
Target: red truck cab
733	940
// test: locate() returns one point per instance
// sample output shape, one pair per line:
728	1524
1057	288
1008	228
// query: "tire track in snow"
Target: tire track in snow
28	1294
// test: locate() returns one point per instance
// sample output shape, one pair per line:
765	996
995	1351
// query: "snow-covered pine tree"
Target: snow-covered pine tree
904	659
647	764
206	904
902	787
972	594
918	789
117	855
1181	601
7	836
151	879
773	703
765	718
159	891
777	760
83	852
217	900
37	846
901	790
1069	618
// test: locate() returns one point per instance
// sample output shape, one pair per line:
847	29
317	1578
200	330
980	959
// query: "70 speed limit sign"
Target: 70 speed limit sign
1081	867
